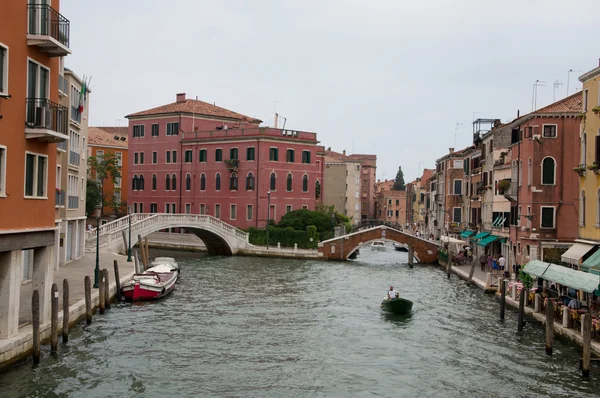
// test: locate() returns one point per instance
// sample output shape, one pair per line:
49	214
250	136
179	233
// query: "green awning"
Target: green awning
565	276
466	234
593	261
487	240
480	235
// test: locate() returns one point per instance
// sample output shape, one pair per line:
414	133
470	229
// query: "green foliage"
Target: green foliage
286	236
399	184
311	233
526	279
119	207
102	168
93	196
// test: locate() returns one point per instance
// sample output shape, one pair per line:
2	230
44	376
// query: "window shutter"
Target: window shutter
597	157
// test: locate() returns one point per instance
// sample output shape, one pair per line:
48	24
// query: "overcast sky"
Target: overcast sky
391	78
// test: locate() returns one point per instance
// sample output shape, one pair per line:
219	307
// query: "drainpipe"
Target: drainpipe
180	166
560	186
257	185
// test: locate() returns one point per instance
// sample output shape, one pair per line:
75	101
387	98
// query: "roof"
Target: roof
570	104
590	74
427	174
105	136
196	107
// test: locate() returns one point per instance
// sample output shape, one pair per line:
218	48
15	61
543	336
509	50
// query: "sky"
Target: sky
399	79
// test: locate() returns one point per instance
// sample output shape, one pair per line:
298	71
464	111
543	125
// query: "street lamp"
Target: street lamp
97	213
268	215
129	241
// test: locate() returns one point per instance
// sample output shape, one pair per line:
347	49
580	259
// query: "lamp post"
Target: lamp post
129	241
268	215
97	213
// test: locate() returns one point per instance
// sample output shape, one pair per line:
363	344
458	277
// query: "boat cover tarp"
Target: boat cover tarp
480	235
575	253
593	261
447	239
487	240
565	276
466	234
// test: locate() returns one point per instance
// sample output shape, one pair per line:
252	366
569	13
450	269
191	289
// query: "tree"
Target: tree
92	196
399	184
104	168
118	206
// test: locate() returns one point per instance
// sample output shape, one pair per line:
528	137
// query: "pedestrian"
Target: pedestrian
501	263
482	261
490	261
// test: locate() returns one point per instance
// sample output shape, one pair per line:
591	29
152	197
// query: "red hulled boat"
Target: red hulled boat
154	283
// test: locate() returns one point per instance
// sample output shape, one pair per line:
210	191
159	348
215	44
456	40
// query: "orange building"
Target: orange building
104	140
33	38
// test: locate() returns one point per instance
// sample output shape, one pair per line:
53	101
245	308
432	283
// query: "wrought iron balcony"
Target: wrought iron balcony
48	30
46	120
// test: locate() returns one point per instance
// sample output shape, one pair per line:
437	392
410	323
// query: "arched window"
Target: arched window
174	182
529	172
218	182
203	182
167	182
141	183
548	171
317	189
250	182
288	182
305	183
188	182
154	182
582	209
583	148
233	182
273	181
134	182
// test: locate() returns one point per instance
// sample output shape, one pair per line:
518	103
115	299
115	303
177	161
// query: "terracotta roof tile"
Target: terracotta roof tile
197	107
427	174
570	104
105	136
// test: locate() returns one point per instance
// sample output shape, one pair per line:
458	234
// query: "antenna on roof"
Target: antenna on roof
534	94
569	78
556	84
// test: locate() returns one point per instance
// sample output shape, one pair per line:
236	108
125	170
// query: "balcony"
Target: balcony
74	158
510	192
48	30
60	198
46	121
73	202
63	86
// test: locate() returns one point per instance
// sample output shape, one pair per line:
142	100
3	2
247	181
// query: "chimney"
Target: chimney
181	97
276	120
451	150
344	152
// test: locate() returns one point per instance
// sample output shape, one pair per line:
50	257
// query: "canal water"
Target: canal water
257	327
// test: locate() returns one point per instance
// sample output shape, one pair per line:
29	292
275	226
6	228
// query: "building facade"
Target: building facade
197	158
342	177
33	38
392	207
367	184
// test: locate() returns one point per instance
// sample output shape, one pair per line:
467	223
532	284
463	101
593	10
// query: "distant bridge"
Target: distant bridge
340	248
218	236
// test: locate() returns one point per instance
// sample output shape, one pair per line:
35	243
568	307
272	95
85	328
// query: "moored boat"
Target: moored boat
154	283
397	305
378	245
400	248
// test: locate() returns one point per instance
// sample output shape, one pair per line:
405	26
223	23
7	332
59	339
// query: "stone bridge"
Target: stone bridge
218	236
425	251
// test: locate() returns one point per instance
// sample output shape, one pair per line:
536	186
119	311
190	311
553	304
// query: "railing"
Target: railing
62	146
116	225
74	158
512	190
60	198
46	21
48	115
73	202
63	85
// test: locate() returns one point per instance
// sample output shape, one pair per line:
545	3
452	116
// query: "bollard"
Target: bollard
137	263
65	327
35	323
88	299
514	291
147	251
54	318
278	246
587	344
521	309
502	300
448	267
500	282
295	248
549	326
565	316
411	256
142	256
488	279
106	289
117	280
102	295
537	307
471	272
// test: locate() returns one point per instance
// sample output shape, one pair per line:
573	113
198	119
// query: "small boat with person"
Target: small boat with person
154	283
378	245
395	304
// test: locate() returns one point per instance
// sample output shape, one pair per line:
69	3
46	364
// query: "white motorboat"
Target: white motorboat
378	245
156	282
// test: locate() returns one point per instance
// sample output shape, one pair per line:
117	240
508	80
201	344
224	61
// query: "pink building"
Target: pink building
193	157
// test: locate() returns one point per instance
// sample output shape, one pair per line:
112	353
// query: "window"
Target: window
134	182
305	207
218	182
38	88
3	70
458	187
155	130
154	157
141	207
456	214
529	171
289	156
154	182
72	192
547	217
217	210
582	209
174	156
168	158
172	128
273	154
273	182
528	223
390	213
138	131
188	156
135	158
167	182
119	156
188	208
218	155
203	182
167	208
233	182
173	183
248	212
548	171
232	212
173	209
397	202
233	153
288	183
288	209
202	156
75	115
250	153
202	209
36	175
135	209
3	171
306	157
141	157
250	182
153	208
188	182
458	164
305	183
549	131
141	183
585	100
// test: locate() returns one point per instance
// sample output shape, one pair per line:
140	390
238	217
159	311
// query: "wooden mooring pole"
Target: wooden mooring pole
549	326
65	327
521	309
502	300
146	250
106	288
54	318
587	345
87	282
102	287
117	280
448	267
35	323
471	272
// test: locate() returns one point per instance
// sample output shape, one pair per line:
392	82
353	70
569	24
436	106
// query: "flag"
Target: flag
82	97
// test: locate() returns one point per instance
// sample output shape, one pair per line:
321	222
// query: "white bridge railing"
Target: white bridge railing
116	225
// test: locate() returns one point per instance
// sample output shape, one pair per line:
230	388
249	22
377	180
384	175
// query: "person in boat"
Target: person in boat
392	294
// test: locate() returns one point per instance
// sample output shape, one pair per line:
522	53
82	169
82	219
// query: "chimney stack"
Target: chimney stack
276	120
344	152
451	150
181	97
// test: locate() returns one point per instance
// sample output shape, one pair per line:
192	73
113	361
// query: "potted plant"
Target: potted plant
582	116
580	169
594	167
596	110
503	185
232	165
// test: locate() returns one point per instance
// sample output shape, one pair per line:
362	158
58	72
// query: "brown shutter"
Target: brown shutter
597	157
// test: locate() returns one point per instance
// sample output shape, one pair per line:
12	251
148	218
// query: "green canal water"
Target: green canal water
257	327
